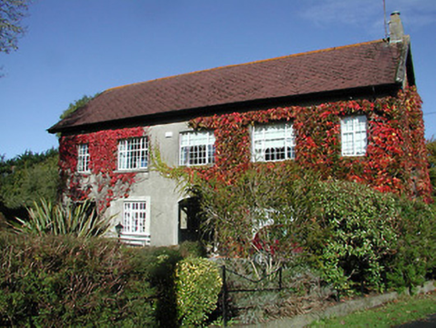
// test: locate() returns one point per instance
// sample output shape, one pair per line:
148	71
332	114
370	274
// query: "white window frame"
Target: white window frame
83	158
196	148
273	142
133	154
136	218
354	135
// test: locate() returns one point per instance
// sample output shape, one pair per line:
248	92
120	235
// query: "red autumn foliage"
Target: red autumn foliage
396	155
396	158
103	146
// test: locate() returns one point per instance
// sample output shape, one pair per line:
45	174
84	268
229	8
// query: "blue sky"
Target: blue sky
81	47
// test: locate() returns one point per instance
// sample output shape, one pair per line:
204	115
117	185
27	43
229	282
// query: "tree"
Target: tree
11	14
76	105
28	178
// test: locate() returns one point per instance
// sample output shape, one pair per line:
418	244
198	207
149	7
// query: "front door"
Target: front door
189	219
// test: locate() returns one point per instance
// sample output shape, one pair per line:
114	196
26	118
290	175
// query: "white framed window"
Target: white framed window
353	135
273	142
136	218
197	148
83	158
133	154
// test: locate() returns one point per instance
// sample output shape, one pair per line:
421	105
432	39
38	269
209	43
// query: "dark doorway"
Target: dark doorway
189	220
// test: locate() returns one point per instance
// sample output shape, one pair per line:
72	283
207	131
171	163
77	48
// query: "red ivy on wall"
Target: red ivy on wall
396	155
396	158
104	183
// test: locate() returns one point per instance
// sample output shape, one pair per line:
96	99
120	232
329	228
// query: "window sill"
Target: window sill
348	156
274	161
144	170
198	165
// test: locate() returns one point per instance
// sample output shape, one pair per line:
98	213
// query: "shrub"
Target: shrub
359	226
193	249
64	281
161	270
415	259
364	238
80	220
198	284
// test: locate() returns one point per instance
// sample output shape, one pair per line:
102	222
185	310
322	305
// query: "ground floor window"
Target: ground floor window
83	158
136	218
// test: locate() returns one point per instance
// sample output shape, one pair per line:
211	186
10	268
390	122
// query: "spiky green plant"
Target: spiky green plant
80	220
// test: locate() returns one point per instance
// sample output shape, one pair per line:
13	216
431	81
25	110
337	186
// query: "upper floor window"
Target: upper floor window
353	135
273	142
133	154
83	158
197	148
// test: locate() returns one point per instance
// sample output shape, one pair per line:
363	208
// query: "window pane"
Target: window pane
197	148
273	142
83	158
353	135
133	154
135	216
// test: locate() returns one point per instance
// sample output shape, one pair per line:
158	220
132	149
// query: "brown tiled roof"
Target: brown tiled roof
373	63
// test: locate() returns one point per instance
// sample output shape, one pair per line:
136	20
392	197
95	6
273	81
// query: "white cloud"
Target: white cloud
415	13
341	11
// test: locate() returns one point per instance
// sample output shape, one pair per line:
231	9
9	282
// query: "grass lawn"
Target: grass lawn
405	309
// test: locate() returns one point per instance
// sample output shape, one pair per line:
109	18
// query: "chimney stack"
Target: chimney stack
396	29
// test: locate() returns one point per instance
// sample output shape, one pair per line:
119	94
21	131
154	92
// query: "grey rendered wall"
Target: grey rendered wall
162	192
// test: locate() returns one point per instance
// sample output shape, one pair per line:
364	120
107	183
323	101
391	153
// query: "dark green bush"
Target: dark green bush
415	258
361	238
52	281
192	249
161	274
64	281
361	233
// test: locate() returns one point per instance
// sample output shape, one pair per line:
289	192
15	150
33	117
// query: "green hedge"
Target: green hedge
415	257
53	281
364	238
63	281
